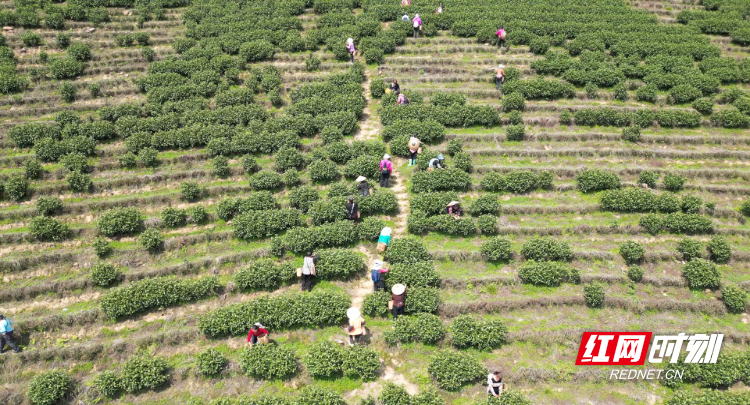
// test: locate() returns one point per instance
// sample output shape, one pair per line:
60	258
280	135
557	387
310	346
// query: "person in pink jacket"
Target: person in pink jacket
417	24
501	34
386	167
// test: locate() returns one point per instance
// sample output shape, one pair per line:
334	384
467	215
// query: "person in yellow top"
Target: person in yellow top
356	327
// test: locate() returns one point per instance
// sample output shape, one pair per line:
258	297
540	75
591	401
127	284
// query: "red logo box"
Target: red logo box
613	348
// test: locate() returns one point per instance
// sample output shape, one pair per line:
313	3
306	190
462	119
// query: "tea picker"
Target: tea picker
363	186
378	275
414	149
6	335
436	163
398	300
356	327
454	209
386	167
384	239
257	334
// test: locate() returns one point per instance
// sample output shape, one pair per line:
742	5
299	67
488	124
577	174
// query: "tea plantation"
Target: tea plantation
165	165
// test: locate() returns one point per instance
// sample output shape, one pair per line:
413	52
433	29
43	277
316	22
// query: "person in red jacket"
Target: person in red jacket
257	334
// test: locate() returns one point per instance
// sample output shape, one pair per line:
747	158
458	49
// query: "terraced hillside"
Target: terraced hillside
165	167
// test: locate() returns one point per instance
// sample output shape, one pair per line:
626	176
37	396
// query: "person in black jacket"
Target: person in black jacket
395	88
352	210
363	186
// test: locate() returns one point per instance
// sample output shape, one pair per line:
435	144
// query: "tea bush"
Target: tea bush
550	274
258	224
210	362
323	171
734	298
704	106
313	395
719	250
339	233
546	248
323	212
596	180
48	229
104	274
220	166
515	132
79	182
33	168
635	273
369	229
324	359
263	274
745	208
393	394
497	248
101	246
361	362
484	204
701	273
268	362
455	146
674	182
339	264
152	240
407	250
317	308
49	387
485	335
632	252
191	190
631	134
513	101
593	294
440	180
173	217
517	181
16	187
648	178
690	249
452	370
108	383
433	203
142	372
420	274
677	222
155	293
425	328
48	206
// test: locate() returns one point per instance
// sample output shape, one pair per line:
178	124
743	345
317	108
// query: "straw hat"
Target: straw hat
386	231
360	179
377	265
353	313
398	289
453	203
414	142
386	156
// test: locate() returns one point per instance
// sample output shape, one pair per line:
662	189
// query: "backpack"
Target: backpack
375	275
500	73
416	24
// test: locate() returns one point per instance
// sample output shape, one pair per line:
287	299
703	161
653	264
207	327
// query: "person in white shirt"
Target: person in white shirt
495	384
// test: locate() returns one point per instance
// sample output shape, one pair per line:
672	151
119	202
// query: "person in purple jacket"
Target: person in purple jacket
350	48
386	167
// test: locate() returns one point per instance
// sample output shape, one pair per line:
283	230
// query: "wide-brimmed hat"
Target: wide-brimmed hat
360	179
386	231
441	157
353	313
377	265
386	156
501	66
453	203
398	289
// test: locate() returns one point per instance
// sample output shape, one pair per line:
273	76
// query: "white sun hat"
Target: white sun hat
353	313
398	289
377	265
360	179
453	203
386	156
501	66
386	231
